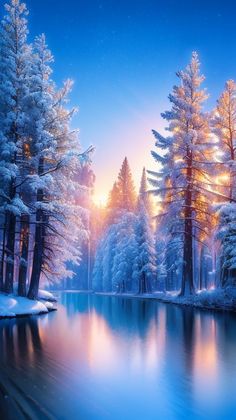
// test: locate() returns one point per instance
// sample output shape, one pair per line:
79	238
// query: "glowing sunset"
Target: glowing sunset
117	210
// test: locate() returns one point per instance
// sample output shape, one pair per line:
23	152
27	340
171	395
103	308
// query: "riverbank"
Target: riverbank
214	299
12	306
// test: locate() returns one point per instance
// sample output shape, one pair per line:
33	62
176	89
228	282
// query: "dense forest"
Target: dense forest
178	234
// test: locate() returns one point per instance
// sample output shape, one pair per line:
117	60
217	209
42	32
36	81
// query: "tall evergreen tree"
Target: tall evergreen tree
125	186
15	59
39	156
224	126
184	173
145	260
125	253
144	196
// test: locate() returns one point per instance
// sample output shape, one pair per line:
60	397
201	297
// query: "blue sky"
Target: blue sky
123	56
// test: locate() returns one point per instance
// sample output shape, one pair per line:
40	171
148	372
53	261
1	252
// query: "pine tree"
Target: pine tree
145	261
183	178
125	253
224	127
126	200
144	196
114	197
14	76
41	222
116	249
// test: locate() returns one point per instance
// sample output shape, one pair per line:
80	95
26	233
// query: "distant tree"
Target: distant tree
116	249
84	183
145	260
123	195
144	196
125	253
114	199
97	276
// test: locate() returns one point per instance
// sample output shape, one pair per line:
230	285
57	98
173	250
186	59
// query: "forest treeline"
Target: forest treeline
178	233
187	242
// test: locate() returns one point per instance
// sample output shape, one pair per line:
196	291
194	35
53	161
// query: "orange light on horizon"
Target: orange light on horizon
100	199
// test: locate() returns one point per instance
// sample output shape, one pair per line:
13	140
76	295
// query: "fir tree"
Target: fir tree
126	198
224	127
15	61
144	196
183	179
39	155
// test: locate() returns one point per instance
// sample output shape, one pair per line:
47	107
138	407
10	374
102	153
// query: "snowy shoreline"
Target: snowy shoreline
12	306
215	300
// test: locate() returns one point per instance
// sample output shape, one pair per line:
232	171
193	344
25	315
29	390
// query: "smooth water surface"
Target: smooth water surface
101	357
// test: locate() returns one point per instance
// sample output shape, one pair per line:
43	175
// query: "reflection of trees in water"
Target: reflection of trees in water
187	315
226	338
130	315
191	338
75	303
20	341
180	336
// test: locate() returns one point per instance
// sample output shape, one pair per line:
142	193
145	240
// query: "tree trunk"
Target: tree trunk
10	251
38	250
3	256
201	262
24	229
223	276
39	242
187	286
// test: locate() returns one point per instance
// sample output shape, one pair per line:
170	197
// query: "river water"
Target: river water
101	357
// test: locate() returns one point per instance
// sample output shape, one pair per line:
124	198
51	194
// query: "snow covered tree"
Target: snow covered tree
114	197
97	277
224	127
144	196
115	256
85	179
126	187
125	254
145	260
15	58
116	249
39	156
183	178
58	217
123	195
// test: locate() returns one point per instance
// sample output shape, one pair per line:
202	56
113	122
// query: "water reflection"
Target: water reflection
104	357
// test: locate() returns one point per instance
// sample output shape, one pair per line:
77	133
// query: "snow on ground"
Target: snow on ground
12	306
45	295
215	299
224	299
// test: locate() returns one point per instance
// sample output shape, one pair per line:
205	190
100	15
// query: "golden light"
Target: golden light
178	159
176	130
222	179
100	200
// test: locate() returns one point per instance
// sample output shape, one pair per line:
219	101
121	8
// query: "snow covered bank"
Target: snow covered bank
216	299
45	295
12	306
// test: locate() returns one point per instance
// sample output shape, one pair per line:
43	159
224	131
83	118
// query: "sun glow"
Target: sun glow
222	179
100	200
